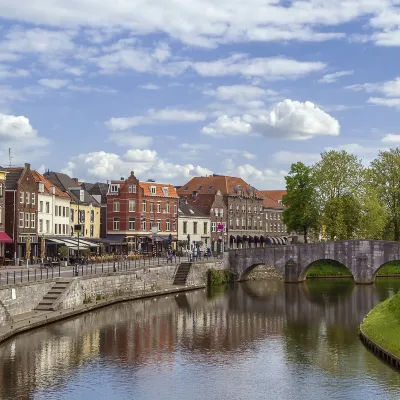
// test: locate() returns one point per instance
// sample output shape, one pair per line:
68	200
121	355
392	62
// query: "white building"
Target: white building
193	226
53	208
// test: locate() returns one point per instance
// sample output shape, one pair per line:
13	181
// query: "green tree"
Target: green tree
340	184
385	177
301	214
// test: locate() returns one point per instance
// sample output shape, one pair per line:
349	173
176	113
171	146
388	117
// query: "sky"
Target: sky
179	88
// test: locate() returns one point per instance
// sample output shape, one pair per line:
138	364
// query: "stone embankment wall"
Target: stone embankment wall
89	288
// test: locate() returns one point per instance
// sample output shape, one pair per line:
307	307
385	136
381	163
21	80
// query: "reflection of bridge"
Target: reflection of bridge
363	258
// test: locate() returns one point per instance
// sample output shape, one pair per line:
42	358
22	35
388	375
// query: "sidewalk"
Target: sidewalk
35	319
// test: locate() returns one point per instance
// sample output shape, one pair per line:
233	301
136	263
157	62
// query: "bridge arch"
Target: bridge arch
387	265
244	276
330	263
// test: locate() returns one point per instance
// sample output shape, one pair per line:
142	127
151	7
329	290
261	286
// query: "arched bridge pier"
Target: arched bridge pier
363	258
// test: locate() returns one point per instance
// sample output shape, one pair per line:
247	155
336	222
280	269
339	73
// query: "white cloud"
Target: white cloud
154	116
145	163
128	139
15	127
53	83
194	146
289	157
150	86
384	101
330	78
239	93
391	139
287	120
272	68
8	72
241	153
225	125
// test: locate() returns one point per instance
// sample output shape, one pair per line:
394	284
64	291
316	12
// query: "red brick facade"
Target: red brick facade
134	206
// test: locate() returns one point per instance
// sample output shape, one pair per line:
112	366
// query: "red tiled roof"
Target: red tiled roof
47	185
211	184
272	194
159	192
271	203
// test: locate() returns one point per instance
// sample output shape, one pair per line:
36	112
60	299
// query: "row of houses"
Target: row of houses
129	215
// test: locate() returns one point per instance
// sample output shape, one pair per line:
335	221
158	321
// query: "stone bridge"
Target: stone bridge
363	258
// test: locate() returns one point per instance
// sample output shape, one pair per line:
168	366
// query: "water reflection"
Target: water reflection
296	340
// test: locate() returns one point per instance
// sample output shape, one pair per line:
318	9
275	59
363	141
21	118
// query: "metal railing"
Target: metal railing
17	276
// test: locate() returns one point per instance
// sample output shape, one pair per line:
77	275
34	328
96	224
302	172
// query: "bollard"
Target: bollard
114	270
7	278
35	274
21	275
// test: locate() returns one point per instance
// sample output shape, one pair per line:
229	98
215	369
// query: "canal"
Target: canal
257	340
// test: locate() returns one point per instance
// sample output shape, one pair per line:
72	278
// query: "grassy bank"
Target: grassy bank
382	325
219	277
332	268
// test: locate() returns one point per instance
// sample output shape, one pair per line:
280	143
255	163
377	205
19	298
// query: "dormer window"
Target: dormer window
165	191
41	187
153	189
114	188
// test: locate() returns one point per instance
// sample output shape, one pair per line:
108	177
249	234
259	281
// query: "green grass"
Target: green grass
382	325
391	268
327	268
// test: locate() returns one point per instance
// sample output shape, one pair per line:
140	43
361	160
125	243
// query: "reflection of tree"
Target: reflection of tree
328	291
387	287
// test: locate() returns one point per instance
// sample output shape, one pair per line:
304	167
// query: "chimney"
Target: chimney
52	190
122	178
27	166
76	180
132	173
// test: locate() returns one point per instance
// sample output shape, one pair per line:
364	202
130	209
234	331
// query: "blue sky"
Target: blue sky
177	89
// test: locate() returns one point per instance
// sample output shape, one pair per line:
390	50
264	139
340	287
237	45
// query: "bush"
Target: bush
219	277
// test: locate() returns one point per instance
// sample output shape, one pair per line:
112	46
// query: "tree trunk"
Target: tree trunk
305	234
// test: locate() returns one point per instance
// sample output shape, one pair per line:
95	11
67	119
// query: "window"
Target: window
132	205
33	220
260	224
41	187
67	212
130	188
47	207
210	187
261	208
165	191
152	206
249	209
224	224
72	215
175	208
114	188
266	215
279	217
174	226
168	226
230	224
91	230
249	223
213	227
132	223
116	205
243	223
185	227
255	209
56	210
186	187
81	217
237	207
55	229
230	206
195	228
255	223
159	207
27	198
59	229
168	206
116	224
153	189
151	224
21	197
26	220
63	210
40	225
91	216
221	212
143	222
21	219
237	223
41	206
205	228
63	229
47	226
243	208
200	187
1	190
159	225
266	227
33	199
133	188
144	206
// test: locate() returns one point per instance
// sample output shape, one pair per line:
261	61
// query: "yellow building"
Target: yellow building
89	208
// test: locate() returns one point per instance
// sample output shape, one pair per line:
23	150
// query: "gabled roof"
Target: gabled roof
47	185
97	189
12	177
227	185
203	202
159	192
65	183
271	203
273	194
188	210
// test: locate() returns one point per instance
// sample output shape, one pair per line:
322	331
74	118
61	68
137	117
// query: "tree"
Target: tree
301	213
385	177
63	252
340	186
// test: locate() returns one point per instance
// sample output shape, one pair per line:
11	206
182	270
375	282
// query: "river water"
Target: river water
257	340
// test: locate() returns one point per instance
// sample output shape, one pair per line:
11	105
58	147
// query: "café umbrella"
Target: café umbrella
28	249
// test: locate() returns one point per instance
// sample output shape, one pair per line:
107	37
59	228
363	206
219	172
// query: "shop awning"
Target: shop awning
4	238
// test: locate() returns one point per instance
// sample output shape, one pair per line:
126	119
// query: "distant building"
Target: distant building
244	214
194	226
4	238
141	213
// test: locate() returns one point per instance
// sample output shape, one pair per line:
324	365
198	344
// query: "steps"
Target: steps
182	273
54	293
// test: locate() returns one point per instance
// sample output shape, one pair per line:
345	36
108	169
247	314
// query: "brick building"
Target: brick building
4	238
21	212
244	215
134	208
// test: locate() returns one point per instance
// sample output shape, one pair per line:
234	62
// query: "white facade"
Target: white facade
45	214
62	223
199	229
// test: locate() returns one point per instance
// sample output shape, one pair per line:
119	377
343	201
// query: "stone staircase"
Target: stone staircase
182	273
52	296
